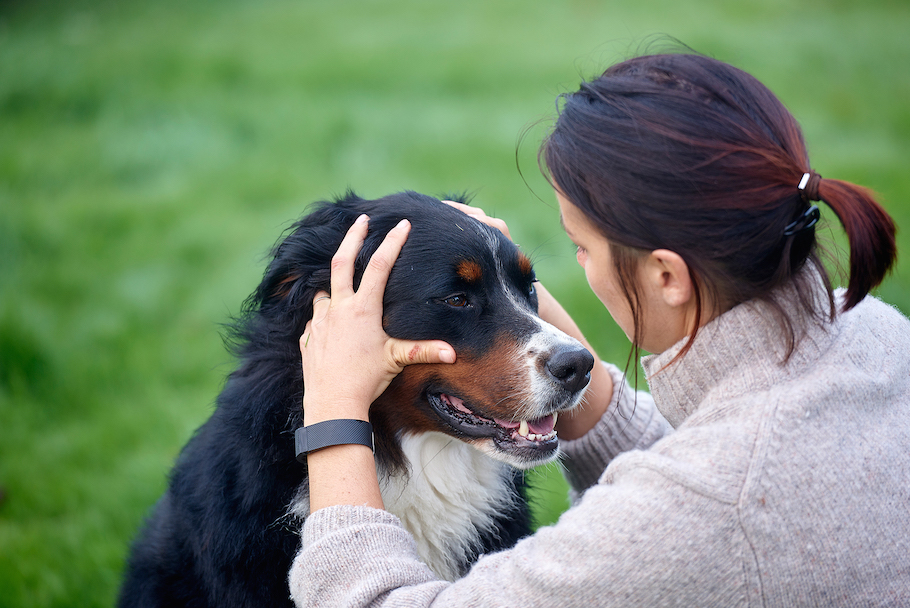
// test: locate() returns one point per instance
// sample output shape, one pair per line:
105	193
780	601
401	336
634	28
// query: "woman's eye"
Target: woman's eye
581	255
457	301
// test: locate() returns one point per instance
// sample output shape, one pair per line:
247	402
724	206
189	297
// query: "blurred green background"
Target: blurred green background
152	152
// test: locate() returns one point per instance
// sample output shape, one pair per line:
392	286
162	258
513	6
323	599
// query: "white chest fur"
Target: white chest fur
450	498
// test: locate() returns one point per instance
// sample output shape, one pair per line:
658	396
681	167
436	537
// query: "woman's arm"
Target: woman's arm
644	540
599	393
348	361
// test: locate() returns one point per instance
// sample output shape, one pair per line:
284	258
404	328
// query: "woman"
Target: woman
785	479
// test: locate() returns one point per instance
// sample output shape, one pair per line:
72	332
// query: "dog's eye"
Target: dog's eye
459	300
531	288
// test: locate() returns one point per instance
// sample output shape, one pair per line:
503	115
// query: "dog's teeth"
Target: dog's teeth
523	428
555	414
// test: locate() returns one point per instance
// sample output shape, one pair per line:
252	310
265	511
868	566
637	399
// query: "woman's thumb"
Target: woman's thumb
407	352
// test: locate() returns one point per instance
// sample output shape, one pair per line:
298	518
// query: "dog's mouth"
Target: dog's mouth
532	439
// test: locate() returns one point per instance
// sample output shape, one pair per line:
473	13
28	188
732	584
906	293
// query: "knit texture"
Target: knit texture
783	484
631	422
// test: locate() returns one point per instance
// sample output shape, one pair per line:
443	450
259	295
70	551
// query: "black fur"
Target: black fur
220	535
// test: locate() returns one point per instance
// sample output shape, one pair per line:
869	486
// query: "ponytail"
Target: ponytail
870	232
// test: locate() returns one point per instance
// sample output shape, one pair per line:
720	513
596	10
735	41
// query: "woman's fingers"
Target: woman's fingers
321	302
463	207
478	214
408	352
376	274
345	337
343	261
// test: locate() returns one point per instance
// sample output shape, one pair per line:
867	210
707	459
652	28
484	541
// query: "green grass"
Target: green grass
151	152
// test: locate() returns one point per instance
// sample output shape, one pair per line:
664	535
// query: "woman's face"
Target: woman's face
667	307
594	256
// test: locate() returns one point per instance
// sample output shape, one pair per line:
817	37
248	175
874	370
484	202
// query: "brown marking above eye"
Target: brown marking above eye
470	271
524	264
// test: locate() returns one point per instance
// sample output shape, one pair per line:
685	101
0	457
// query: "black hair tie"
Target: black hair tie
804	222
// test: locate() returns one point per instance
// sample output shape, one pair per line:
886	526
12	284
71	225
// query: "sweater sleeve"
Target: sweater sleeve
353	555
639	541
631	422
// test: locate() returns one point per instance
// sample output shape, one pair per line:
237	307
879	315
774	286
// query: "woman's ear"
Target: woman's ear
668	278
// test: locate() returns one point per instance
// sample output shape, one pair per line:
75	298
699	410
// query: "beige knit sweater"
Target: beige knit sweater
782	485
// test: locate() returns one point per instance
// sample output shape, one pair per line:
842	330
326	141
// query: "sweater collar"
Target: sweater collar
740	351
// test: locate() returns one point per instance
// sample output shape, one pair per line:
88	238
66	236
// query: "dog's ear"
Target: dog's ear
300	266
300	262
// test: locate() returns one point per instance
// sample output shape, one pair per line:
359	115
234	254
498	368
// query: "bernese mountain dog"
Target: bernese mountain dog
451	441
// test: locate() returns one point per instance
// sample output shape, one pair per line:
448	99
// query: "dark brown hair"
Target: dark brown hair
687	153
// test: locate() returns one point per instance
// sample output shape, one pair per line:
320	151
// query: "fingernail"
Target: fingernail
447	356
362	218
403	224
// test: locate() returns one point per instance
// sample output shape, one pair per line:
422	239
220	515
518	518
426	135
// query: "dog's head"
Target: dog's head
456	280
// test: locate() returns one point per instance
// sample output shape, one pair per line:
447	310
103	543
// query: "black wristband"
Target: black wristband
332	432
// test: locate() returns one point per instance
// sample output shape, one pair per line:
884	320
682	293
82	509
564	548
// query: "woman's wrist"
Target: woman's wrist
343	475
319	409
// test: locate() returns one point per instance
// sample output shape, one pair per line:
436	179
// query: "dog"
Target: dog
450	441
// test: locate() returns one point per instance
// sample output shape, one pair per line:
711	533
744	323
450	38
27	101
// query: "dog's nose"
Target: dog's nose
571	368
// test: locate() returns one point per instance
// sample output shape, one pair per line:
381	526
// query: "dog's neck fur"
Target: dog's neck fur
448	500
451	498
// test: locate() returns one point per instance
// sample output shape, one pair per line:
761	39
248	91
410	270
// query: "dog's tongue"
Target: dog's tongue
541	426
458	404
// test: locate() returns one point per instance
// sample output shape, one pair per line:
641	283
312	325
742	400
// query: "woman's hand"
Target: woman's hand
348	359
478	214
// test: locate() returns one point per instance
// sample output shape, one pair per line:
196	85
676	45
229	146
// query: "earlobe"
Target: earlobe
670	276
